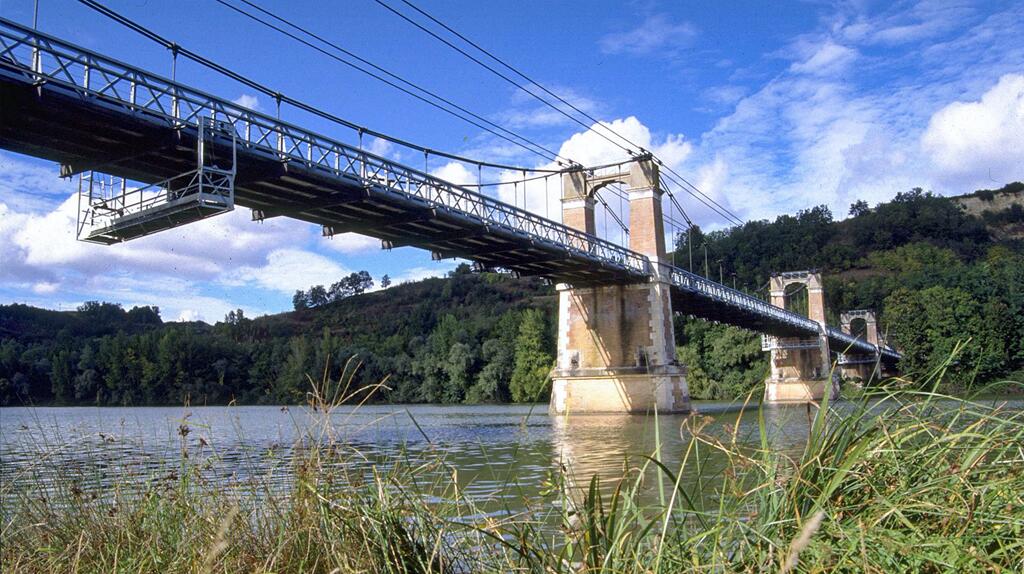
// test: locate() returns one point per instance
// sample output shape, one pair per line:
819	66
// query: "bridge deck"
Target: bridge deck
89	112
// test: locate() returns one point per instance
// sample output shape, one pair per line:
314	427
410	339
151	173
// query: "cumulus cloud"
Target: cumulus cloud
455	172
657	34
288	270
199	250
929	116
440	269
983	140
352	243
248	101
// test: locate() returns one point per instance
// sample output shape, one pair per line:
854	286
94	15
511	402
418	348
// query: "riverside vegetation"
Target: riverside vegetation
938	275
915	483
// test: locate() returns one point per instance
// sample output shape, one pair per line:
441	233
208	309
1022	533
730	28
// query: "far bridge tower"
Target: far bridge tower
801	369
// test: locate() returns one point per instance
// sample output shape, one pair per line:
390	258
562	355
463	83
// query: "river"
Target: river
497	454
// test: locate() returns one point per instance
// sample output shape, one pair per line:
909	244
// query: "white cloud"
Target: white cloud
378	146
189	315
28	187
420	273
457	173
178	298
901	25
351	243
725	95
288	270
980	141
527	112
37	243
45	288
657	34
248	101
817	133
825	59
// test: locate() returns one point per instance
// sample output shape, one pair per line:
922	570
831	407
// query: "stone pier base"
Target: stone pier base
799	390
863	372
577	392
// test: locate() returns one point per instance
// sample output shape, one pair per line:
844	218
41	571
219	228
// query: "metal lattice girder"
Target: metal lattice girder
103	79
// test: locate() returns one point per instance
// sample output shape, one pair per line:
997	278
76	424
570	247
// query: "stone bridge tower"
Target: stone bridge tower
616	343
801	369
854	365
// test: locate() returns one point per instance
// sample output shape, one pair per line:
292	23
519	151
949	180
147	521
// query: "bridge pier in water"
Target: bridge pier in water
801	369
616	343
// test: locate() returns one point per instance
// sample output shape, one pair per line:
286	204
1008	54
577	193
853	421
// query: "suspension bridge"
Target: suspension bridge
193	155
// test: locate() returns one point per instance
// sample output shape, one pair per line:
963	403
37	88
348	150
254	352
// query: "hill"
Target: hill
421	336
939	270
937	273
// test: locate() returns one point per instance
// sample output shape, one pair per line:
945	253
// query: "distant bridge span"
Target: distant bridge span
89	112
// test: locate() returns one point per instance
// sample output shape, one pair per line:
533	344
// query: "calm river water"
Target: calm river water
489	446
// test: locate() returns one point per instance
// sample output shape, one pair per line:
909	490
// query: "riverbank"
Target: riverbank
934	485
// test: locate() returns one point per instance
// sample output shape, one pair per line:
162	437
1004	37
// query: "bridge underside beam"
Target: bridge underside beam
55	123
702	308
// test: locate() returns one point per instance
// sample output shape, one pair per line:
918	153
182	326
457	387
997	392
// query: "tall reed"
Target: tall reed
917	482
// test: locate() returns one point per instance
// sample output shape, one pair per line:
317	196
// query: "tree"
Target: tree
353	284
235	318
300	300
458	368
859	207
532	361
145	315
928	326
318	296
385	281
498	354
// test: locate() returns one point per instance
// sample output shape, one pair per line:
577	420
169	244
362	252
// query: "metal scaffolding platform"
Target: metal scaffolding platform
111	212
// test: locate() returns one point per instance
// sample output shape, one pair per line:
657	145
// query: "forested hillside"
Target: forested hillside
936	273
467	337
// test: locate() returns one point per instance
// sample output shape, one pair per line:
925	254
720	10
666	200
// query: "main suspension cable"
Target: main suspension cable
501	75
281	98
544	152
721	210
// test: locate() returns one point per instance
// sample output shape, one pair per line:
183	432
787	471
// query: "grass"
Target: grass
917	483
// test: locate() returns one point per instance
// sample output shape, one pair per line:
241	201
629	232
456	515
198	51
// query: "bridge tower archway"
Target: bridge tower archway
863	324
616	343
801	369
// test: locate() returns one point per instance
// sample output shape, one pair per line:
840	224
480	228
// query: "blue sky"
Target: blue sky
769	107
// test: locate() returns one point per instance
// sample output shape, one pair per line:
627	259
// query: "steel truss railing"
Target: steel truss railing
712	290
853	345
43	58
709	289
